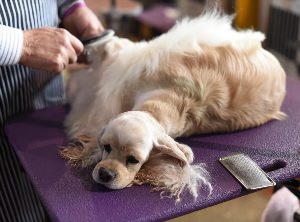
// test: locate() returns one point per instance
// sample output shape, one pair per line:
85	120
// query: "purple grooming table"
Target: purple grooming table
70	194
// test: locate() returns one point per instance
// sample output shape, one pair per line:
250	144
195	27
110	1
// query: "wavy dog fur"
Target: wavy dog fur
200	77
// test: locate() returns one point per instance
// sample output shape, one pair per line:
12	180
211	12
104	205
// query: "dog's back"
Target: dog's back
206	77
202	76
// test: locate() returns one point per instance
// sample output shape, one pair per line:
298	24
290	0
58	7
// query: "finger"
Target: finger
72	55
76	44
63	61
68	49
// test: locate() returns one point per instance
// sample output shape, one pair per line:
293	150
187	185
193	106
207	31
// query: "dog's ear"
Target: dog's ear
99	136
169	146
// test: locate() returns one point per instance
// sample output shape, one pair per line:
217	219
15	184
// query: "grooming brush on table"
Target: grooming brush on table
246	171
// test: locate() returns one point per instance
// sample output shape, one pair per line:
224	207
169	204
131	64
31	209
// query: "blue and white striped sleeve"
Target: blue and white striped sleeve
11	45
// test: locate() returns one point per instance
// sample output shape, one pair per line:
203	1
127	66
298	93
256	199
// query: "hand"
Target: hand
83	23
50	49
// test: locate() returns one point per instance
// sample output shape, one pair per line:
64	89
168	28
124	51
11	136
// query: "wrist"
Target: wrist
25	49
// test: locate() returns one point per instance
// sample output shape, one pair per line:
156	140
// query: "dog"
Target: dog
201	77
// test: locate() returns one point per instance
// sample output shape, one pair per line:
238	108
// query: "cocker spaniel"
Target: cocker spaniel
202	76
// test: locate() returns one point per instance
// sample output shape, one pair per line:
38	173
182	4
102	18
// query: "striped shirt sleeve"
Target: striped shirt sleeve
11	44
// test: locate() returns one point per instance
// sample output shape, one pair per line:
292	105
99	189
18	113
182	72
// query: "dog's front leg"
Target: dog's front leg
187	152
82	151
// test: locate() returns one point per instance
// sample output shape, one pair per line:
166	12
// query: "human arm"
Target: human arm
80	20
48	49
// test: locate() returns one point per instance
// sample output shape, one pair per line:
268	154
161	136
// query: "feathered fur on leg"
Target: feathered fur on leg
81	151
169	176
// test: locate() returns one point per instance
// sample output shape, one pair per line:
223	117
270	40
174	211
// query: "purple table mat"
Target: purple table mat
70	194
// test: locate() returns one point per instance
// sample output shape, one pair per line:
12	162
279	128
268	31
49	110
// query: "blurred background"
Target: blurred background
278	19
145	19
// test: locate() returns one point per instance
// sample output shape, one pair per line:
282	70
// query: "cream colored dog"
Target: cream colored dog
200	77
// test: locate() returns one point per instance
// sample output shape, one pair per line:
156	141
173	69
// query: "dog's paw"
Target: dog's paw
73	155
81	152
187	152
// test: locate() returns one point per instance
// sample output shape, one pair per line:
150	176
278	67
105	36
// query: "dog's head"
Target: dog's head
127	142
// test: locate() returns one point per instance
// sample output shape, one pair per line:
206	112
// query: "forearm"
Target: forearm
78	19
66	7
11	43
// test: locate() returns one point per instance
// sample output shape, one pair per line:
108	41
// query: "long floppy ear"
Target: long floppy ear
99	136
168	145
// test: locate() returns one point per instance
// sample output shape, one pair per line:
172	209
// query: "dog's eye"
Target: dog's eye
107	148
131	160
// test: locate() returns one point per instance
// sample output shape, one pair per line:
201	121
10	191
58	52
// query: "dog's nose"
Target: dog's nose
106	175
